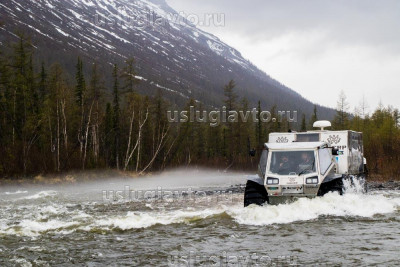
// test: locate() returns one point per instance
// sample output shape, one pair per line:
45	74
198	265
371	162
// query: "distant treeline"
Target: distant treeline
51	124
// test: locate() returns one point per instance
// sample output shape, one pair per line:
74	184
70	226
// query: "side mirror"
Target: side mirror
335	151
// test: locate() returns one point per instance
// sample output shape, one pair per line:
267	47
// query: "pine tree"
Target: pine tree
42	86
80	84
96	87
5	96
19	86
259	131
230	130
160	121
230	96
80	89
274	124
116	113
4	118
32	88
314	117
200	131
129	76
246	131
109	135
303	123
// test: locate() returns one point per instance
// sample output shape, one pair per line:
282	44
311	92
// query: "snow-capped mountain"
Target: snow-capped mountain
171	53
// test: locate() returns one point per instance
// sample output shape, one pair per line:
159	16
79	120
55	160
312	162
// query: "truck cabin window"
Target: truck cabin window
292	162
308	137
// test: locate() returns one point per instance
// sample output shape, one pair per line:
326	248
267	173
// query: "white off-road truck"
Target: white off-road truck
306	164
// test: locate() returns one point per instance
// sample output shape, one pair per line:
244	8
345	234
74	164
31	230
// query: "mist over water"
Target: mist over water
192	215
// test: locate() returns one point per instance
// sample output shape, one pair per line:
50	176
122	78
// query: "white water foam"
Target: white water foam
31	249
16	193
144	220
34	228
304	209
353	203
52	209
42	194
21	262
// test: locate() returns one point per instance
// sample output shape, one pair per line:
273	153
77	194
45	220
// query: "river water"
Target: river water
193	218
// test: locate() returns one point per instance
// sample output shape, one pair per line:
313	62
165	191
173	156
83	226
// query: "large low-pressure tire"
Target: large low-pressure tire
332	186
255	194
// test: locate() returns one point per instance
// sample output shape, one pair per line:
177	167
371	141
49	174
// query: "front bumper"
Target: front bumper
276	200
292	191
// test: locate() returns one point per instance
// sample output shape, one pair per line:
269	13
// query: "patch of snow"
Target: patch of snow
62	32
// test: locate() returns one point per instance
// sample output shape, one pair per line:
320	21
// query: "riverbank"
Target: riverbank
390	185
71	177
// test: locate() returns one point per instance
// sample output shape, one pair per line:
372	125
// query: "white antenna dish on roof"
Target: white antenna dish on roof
322	124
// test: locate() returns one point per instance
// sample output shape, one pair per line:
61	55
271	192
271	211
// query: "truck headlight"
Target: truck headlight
272	180
312	180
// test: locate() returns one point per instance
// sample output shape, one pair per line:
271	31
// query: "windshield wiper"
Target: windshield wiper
304	171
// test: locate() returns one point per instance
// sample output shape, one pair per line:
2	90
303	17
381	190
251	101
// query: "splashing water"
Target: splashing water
354	185
51	217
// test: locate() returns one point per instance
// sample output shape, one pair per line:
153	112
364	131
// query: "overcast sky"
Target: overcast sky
316	47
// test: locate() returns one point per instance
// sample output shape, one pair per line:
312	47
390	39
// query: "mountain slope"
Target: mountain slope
171	53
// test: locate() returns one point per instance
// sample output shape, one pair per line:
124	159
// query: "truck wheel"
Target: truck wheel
332	186
255	194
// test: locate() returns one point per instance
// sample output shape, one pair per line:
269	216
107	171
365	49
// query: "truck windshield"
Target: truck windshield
292	162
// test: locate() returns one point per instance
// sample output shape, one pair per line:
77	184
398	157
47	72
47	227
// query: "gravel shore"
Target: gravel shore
390	185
